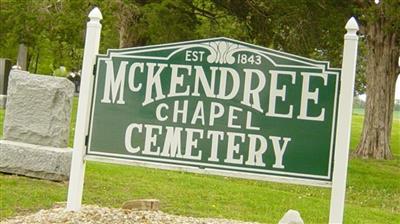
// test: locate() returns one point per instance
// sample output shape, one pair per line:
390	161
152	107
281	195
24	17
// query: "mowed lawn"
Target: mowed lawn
373	190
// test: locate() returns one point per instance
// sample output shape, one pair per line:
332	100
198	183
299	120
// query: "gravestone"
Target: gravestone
36	126
22	57
38	109
291	217
5	66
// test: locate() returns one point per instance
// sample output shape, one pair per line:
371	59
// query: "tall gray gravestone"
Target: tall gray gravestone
22	57
5	67
36	126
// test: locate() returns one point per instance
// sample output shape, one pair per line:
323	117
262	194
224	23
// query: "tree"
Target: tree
19	25
122	18
381	27
315	28
53	30
65	30
303	27
360	81
169	21
154	22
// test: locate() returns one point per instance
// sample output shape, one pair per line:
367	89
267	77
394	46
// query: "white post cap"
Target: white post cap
352	26
95	14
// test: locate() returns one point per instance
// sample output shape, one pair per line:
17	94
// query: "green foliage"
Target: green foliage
120	24
172	21
386	12
60	72
52	30
360	79
308	28
169	21
214	21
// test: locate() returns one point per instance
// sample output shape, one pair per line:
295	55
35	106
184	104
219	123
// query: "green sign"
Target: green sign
216	106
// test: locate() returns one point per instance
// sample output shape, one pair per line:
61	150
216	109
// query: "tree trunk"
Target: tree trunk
381	74
122	33
126	17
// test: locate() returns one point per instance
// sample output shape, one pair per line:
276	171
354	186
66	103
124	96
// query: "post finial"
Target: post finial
352	26
95	14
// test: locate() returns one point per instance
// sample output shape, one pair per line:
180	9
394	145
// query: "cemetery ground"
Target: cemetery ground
373	190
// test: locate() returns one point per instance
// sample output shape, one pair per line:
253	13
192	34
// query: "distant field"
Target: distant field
373	193
360	111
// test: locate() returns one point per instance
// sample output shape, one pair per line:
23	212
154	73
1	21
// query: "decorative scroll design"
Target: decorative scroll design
222	51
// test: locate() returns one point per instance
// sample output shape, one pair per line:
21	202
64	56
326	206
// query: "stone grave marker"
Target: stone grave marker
22	57
36	126
5	67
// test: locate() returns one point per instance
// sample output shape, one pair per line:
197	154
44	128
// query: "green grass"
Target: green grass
373	194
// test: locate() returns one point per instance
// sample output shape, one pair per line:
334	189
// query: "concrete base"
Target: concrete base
3	100
38	161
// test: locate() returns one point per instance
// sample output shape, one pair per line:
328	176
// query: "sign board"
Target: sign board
217	106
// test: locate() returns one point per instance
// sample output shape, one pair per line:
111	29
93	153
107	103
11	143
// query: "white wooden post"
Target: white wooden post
92	41
344	122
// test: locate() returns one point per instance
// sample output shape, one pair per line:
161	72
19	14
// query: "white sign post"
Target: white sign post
342	139
344	122
92	42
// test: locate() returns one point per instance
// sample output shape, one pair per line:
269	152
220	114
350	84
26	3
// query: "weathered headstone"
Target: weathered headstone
5	67
38	109
22	57
36	126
